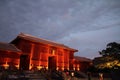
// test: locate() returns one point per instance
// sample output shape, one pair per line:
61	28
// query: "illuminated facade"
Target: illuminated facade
29	52
37	52
9	55
81	63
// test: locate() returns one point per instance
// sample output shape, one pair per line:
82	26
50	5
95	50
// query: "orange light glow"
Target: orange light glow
57	68
6	65
30	67
39	67
17	66
47	67
78	69
74	67
62	68
53	52
31	55
63	61
68	68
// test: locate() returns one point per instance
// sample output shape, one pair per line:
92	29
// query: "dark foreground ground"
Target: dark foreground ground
48	75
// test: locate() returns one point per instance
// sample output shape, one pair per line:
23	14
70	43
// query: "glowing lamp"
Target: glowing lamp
68	68
62	68
39	67
78	69
6	65
30	67
17	66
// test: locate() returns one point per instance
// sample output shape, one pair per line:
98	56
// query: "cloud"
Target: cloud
89	43
60	20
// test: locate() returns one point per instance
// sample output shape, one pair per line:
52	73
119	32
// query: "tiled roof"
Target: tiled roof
8	47
43	41
82	59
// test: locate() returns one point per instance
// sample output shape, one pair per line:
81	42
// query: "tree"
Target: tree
112	48
110	57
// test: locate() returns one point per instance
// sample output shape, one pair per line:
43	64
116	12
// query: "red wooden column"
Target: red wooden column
66	59
71	60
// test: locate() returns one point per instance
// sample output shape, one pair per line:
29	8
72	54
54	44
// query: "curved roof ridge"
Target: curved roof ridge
45	41
24	35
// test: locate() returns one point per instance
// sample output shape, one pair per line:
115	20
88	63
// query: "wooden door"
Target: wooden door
52	63
24	62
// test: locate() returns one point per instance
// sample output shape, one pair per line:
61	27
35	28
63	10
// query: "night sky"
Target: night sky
86	25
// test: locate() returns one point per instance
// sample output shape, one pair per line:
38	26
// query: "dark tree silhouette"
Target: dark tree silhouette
112	48
110	57
110	60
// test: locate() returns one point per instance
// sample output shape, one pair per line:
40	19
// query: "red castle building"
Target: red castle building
9	55
26	52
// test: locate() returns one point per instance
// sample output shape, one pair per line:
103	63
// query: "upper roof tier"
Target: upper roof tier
43	41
